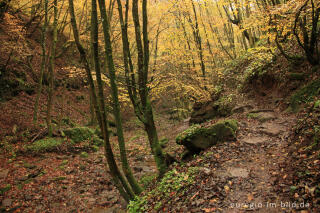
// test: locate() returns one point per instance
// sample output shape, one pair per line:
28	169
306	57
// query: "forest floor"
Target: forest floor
245	175
254	173
66	181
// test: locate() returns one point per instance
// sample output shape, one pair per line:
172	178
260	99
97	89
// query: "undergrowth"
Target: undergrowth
305	95
171	185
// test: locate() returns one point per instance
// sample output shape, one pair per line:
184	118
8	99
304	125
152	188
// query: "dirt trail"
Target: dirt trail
256	163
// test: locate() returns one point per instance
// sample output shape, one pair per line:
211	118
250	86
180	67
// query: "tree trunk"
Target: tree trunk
43	62
51	69
114	170
153	138
116	105
143	61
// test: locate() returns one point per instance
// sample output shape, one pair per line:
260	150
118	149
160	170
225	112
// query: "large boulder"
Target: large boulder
203	111
198	138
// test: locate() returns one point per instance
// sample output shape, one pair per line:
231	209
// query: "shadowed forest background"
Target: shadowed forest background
159	106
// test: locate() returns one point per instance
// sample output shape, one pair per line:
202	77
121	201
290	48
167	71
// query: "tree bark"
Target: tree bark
143	66
43	62
116	105
114	170
51	68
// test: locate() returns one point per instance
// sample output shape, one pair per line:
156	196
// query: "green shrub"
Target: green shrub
147	179
67	121
305	95
97	141
173	181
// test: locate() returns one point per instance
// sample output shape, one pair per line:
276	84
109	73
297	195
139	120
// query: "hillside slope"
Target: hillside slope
20	61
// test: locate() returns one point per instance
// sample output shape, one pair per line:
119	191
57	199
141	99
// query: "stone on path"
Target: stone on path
242	108
262	116
272	129
254	140
238	172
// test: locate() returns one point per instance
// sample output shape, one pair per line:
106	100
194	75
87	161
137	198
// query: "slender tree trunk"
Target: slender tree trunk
99	109
206	34
51	69
198	40
94	26
156	149
43	62
116	105
143	66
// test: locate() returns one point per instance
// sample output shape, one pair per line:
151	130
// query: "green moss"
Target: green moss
84	155
233	124
190	132
316	104
225	105
163	142
253	115
79	134
67	121
305	94
95	148
147	179
97	141
222	129
64	162
5	189
44	145
172	182
197	138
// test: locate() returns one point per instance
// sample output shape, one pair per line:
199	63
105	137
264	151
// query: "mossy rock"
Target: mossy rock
305	95
198	138
79	134
261	116
212	109
44	145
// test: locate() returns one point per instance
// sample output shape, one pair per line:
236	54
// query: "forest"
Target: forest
159	106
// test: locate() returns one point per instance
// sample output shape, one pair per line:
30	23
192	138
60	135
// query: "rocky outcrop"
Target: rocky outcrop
203	111
198	138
